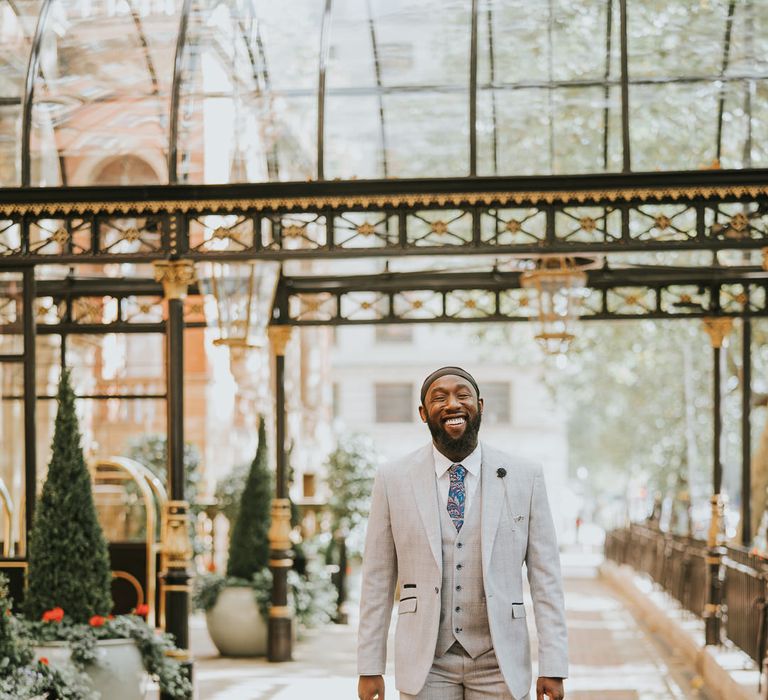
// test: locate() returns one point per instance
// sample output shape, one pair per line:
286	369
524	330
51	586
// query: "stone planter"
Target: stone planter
235	623
118	673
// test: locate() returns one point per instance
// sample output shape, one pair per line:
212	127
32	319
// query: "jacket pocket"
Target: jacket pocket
407	605
518	610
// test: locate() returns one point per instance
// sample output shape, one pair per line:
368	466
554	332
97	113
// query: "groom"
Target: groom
453	523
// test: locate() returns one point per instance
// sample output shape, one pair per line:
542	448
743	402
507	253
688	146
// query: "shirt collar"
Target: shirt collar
471	462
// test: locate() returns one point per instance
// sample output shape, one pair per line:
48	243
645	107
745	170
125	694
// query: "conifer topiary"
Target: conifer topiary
68	556
249	543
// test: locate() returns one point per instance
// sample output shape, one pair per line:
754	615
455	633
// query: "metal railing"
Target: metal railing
679	566
746	585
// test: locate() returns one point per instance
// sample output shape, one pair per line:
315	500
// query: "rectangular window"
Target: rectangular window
394	333
496	402
394	403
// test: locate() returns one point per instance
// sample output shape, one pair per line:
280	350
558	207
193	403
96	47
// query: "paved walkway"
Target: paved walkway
612	656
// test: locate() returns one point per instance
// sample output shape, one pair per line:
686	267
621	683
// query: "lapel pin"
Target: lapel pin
501	472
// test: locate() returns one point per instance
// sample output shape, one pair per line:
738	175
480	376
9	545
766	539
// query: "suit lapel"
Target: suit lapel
492	489
425	494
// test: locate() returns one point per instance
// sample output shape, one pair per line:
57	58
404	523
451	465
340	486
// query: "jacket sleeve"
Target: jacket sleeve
378	589
543	560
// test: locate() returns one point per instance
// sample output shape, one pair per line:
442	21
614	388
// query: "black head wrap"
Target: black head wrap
457	371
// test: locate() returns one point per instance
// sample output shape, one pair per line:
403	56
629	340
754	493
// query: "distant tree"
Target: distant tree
152	452
68	557
350	469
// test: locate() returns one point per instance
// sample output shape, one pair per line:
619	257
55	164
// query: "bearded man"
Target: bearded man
454	522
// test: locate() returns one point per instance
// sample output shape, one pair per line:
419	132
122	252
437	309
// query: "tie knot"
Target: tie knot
458	472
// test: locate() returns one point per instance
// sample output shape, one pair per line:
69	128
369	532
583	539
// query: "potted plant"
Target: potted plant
236	605
68	601
21	675
248	489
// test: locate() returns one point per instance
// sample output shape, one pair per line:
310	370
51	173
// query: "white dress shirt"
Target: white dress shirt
471	463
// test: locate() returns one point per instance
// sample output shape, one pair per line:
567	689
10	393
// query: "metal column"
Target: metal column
746	432
176	275
30	403
279	642
718	329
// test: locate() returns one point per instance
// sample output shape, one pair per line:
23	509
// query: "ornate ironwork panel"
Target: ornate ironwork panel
707	210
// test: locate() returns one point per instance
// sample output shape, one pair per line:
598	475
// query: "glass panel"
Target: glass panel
423	44
102	91
759	109
12	454
522	132
48	364
510	64
17	27
673	126
677	37
353	138
350	57
10	145
234	124
291	43
579	130
11	314
295	137
114	364
737	106
113	425
427	137
527	121
423	59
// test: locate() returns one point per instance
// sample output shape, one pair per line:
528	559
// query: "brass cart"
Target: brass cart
8	520
130	499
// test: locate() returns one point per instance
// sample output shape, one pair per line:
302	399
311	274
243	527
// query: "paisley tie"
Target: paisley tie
457	494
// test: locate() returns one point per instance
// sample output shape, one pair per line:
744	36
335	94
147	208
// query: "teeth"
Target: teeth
455	421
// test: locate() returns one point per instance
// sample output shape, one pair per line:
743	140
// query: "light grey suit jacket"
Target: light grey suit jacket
403	540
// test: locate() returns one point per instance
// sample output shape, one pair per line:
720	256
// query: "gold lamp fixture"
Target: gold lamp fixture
244	293
559	284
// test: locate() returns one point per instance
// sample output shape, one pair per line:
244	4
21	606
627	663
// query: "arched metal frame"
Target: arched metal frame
624	82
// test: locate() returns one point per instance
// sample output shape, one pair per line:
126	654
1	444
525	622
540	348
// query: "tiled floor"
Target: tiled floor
612	656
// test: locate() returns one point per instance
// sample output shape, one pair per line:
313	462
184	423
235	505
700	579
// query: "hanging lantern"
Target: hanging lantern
244	293
559	283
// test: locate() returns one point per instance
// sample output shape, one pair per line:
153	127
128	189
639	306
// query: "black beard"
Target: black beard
455	448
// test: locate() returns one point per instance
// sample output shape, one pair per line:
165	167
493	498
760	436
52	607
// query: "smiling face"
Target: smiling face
452	411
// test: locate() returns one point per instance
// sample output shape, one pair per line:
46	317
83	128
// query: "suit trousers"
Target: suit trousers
457	676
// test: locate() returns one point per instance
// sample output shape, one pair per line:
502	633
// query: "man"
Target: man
454	522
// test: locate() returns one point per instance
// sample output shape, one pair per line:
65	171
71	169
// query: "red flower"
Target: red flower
97	621
53	615
43	661
141	610
212	567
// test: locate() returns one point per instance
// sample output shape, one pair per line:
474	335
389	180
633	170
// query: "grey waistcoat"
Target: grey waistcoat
463	614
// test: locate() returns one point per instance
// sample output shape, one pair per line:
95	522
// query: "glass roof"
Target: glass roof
216	91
